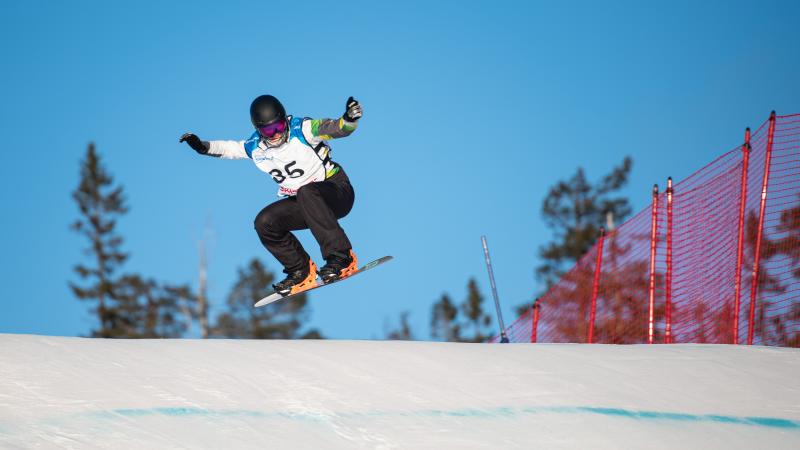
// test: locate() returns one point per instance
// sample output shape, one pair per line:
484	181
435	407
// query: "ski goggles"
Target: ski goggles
272	129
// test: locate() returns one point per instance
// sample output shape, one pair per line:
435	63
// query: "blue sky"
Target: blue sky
471	111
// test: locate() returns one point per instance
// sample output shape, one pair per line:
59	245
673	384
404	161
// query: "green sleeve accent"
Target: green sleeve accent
331	128
315	127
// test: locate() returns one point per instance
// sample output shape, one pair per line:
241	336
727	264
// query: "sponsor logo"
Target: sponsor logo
287	191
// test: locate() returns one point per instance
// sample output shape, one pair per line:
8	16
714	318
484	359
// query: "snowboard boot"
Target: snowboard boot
298	280
339	265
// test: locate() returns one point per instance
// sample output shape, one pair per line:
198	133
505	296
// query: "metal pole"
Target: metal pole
202	294
668	290
503	337
535	319
596	283
652	289
737	292
757	260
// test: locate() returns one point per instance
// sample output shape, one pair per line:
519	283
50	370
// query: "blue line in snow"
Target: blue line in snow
492	413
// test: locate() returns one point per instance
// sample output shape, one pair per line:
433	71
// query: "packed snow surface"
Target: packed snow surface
60	392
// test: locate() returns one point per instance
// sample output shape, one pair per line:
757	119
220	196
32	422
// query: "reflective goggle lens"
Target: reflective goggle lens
273	129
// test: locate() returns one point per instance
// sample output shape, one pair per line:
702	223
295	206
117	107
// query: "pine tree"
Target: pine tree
575	210
128	306
449	326
787	325
279	320
403	333
776	328
444	324
475	317
153	310
100	203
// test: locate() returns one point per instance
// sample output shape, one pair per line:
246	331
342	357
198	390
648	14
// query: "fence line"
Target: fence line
715	257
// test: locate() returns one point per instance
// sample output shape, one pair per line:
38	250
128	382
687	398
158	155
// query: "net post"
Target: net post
596	284
652	288
737	292
760	235
668	287
534	320
503	337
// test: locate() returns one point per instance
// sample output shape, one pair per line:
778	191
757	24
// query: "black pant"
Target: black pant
317	206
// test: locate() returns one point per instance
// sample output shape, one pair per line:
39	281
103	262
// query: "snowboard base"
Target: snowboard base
274	296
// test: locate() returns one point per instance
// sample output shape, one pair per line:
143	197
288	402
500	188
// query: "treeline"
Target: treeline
574	209
463	322
131	305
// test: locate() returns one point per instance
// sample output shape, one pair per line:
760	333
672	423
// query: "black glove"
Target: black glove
353	110
194	142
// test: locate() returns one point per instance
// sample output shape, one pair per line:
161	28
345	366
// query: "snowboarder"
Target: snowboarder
316	191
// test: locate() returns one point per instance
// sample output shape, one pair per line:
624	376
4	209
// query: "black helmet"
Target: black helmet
265	110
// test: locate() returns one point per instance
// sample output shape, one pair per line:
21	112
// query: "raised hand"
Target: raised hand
353	110
194	142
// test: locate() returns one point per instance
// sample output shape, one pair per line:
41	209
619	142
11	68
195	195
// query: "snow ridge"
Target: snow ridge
91	393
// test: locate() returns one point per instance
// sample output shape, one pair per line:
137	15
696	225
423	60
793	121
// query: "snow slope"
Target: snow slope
60	392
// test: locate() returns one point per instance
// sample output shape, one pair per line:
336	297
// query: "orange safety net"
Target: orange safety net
707	241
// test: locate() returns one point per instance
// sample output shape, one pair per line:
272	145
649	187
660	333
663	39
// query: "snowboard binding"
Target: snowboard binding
298	280
338	267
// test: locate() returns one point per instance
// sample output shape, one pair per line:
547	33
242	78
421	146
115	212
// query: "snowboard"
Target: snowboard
274	296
